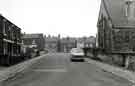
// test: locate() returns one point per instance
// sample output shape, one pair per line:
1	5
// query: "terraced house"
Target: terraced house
10	41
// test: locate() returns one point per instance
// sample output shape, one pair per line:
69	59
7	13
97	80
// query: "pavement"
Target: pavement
9	72
121	72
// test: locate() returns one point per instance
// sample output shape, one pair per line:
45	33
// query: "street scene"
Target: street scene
67	43
57	70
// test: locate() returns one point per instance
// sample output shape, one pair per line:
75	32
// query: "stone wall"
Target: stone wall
116	60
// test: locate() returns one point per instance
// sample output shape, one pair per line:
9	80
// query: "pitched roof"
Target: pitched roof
9	22
116	10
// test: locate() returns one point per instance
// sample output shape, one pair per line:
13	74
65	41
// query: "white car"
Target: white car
77	54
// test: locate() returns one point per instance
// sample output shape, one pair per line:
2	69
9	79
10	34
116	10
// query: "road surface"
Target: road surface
57	70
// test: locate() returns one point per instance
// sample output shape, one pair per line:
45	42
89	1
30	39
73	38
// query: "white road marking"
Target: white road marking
50	70
56	66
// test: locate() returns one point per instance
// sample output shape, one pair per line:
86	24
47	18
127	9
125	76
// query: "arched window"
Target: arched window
130	9
127	7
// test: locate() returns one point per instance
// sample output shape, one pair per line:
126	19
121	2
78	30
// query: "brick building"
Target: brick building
116	29
35	41
51	43
10	41
57	44
67	44
88	42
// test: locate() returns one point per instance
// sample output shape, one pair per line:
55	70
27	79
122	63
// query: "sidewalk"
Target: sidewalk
114	70
9	72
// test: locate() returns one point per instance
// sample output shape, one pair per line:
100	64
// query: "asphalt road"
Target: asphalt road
57	70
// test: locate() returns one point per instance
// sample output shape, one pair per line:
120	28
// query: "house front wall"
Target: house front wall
34	42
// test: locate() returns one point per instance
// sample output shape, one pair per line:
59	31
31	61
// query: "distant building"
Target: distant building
86	42
35	41
57	44
67	44
51	43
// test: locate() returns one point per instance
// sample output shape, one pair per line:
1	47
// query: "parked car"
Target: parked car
77	54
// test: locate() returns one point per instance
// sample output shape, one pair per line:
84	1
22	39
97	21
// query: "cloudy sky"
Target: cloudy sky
74	18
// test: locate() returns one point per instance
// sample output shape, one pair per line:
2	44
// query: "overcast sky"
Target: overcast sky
74	18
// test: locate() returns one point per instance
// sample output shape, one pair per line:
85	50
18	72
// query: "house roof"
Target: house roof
9	22
116	11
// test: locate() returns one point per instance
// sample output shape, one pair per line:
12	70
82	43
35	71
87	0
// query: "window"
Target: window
134	11
127	8
5	47
4	26
1	46
33	42
130	9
